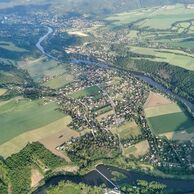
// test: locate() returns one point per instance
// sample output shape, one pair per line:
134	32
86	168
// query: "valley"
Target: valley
80	90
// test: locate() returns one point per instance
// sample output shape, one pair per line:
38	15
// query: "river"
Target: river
94	178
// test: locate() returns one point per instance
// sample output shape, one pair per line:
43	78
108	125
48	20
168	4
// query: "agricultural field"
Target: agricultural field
137	150
166	116
40	134
90	91
22	115
127	129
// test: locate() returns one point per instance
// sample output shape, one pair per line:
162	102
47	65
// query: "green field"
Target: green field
127	129
19	116
72	188
179	121
59	81
90	91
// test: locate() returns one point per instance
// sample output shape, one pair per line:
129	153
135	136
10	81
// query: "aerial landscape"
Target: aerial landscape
96	97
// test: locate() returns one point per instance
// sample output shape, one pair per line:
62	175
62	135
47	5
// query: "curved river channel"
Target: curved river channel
94	178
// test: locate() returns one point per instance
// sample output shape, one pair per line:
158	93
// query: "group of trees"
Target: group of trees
145	187
16	169
90	147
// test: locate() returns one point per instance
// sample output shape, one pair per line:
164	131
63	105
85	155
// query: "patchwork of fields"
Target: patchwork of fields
169	117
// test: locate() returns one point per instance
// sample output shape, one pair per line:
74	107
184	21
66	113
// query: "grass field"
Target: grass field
59	81
2	91
19	116
137	150
90	91
179	121
127	129
17	143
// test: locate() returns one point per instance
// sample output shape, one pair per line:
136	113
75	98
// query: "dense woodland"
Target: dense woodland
15	171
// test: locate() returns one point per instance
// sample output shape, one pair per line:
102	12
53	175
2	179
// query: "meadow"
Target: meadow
59	81
137	150
90	91
127	129
21	115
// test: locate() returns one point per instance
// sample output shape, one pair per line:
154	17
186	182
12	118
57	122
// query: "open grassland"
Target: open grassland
179	121
20	141
137	150
19	116
11	47
127	129
2	91
90	91
59	81
174	57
